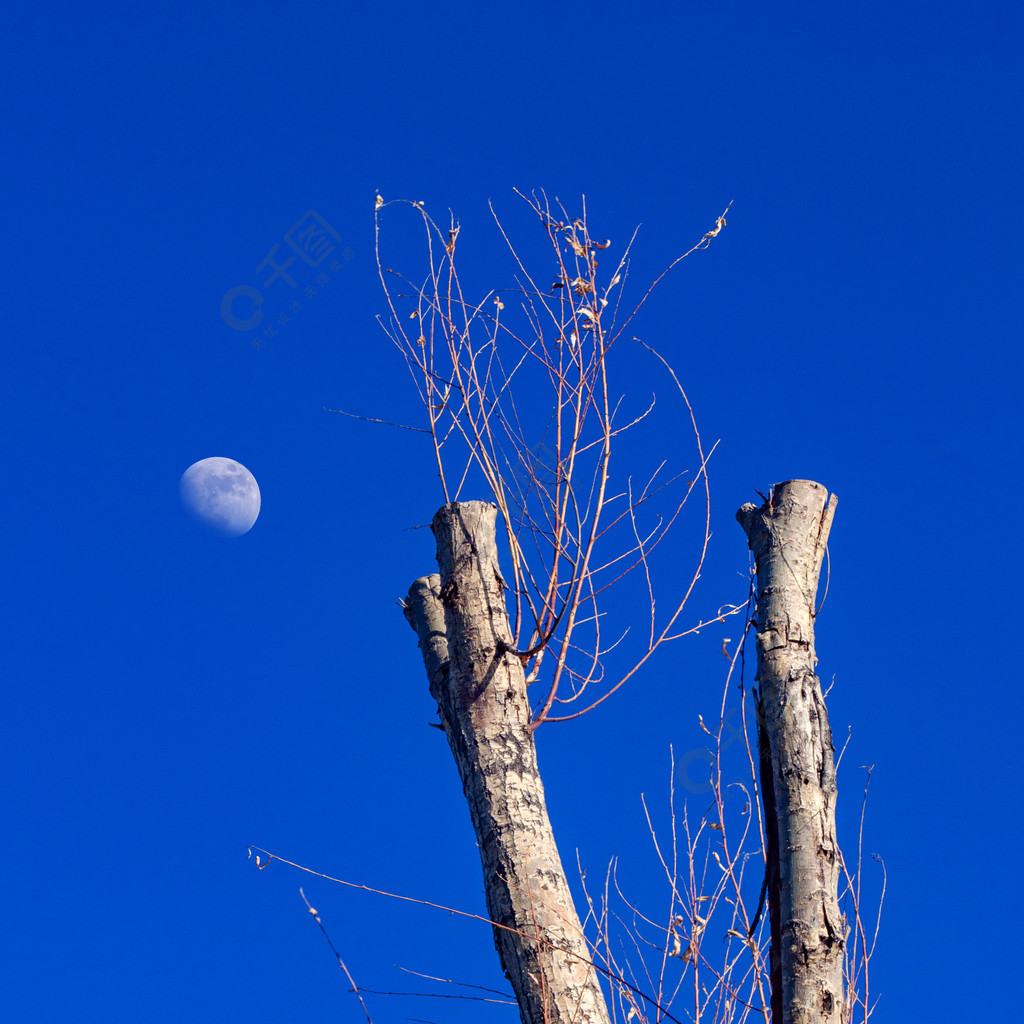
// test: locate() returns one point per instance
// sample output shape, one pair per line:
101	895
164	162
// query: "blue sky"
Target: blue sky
172	698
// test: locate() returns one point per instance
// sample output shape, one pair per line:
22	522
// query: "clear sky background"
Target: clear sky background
171	697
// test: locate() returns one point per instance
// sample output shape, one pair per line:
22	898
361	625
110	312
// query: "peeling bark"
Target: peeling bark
461	620
788	535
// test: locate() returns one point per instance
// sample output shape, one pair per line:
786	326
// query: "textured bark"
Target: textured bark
462	624
787	535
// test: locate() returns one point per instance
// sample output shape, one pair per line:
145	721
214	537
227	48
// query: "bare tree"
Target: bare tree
570	537
468	361
788	535
481	694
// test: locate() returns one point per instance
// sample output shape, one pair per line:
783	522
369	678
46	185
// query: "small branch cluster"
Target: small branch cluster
710	945
570	533
713	867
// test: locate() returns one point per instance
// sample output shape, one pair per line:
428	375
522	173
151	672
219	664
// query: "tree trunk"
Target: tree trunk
788	535
462	624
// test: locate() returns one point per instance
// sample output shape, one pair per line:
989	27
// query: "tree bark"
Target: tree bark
461	620
788	535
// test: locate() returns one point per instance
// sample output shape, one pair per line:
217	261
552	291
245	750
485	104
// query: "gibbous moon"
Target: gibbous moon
221	494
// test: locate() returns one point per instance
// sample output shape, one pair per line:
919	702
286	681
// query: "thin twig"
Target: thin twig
337	955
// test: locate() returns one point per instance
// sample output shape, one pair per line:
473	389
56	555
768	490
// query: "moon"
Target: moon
221	494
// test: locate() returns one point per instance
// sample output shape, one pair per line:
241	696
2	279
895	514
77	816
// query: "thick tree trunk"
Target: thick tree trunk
462	624
787	535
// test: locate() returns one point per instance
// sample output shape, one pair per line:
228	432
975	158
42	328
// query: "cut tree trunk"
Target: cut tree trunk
788	535
461	620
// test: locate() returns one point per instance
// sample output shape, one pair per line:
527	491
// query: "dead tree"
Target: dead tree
787	535
571	536
480	688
